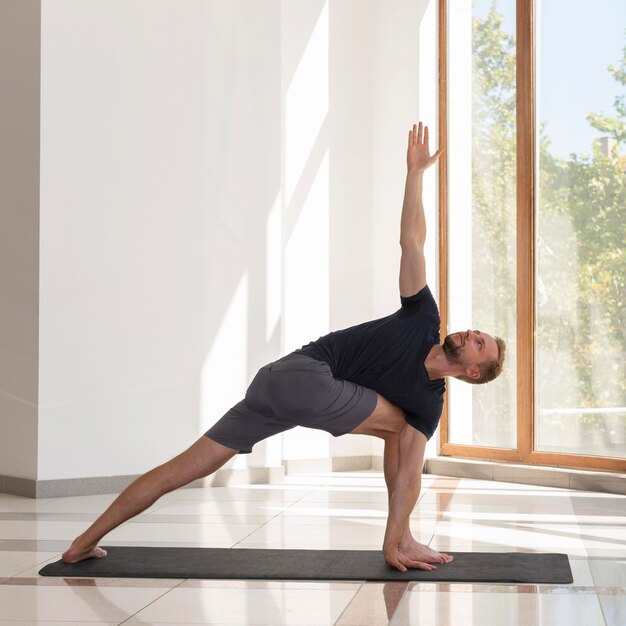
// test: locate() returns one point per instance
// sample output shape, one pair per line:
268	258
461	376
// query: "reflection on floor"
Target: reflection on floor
327	511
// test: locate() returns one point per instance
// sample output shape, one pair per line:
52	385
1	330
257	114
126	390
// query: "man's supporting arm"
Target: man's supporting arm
390	466
406	489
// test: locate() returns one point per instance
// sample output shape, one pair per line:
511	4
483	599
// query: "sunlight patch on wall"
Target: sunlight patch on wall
224	374
307	267
306	103
273	298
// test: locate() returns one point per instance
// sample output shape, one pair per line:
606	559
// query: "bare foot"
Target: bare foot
420	552
446	557
76	553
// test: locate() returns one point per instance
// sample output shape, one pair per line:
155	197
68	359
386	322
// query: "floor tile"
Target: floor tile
335	527
315	537
604	540
72	604
450	544
223	507
42	516
608	572
373	605
614	609
42	530
497	609
13	563
547	503
345	494
540	536
33	571
157	518
199	534
212	543
57	581
79	504
273	607
282	493
602	505
49	623
353	509
338	517
33	545
581	573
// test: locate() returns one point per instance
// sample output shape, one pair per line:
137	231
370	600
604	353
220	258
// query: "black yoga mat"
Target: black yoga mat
265	564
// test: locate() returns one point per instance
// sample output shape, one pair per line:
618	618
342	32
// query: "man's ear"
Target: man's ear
471	372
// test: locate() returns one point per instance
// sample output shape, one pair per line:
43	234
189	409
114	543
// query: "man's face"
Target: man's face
472	348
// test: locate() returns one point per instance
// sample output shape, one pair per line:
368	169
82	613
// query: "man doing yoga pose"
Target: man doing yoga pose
383	378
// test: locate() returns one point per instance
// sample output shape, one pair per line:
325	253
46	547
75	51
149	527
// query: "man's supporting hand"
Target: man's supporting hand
401	561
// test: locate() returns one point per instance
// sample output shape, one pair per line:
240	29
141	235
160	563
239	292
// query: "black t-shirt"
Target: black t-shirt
387	355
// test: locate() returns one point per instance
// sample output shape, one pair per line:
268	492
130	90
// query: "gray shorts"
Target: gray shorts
296	390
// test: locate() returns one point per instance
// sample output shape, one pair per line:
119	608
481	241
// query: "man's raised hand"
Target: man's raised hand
418	153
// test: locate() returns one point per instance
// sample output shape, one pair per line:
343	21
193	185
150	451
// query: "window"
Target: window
533	212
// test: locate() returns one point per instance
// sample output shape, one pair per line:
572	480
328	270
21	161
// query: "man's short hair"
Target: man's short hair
489	371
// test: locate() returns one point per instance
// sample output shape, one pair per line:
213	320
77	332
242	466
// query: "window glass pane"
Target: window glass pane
482	209
580	341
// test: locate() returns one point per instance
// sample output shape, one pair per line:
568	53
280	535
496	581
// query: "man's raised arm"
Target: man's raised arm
413	222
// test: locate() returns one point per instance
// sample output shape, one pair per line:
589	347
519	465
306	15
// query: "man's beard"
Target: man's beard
452	351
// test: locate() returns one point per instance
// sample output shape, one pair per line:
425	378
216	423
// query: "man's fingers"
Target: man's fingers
419	133
417	564
404	564
426	136
396	563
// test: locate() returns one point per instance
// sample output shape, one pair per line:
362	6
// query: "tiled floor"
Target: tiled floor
326	511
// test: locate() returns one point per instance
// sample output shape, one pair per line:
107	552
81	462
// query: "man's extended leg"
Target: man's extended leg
204	457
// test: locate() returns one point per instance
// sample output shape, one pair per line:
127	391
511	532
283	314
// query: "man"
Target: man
383	378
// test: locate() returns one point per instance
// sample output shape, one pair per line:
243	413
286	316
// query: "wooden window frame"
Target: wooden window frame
525	131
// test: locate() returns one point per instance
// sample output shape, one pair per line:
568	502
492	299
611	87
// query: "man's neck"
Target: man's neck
436	363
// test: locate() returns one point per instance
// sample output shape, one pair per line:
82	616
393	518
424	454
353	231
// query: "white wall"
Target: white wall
19	236
161	162
221	182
